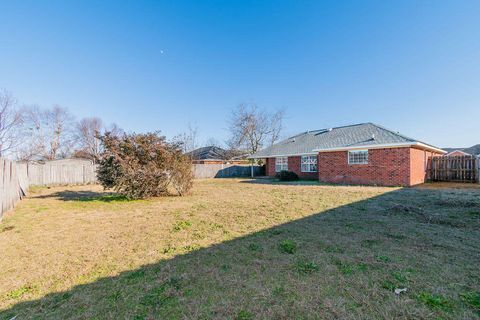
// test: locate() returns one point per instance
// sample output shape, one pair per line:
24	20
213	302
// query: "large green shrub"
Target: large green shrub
143	165
287	176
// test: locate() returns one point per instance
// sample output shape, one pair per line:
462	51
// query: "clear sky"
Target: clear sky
412	66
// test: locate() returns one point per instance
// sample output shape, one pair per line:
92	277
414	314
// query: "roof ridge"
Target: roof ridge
326	129
345	126
393	132
350	125
295	135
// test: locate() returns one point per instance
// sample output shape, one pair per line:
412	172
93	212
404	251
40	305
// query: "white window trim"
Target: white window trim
308	163
283	164
357	151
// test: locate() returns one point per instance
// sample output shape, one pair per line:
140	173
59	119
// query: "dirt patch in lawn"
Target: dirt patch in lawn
242	250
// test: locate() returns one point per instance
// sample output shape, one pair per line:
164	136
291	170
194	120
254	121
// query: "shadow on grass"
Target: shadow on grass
341	263
84	196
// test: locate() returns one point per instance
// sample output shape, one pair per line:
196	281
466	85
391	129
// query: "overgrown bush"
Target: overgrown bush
143	165
287	176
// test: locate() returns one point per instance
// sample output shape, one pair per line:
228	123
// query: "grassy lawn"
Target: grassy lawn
241	250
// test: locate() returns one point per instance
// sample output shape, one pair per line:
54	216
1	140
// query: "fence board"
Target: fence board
211	170
15	178
478	168
454	168
10	192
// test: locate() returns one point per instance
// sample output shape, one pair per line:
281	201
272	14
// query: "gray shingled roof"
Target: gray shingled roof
357	135
216	153
208	153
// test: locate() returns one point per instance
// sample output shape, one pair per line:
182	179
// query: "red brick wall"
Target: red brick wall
294	164
386	167
418	165
270	170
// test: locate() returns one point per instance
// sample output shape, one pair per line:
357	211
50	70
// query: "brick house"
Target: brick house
363	153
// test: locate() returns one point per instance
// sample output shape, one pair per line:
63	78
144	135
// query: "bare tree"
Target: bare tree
115	130
252	128
60	123
48	134
213	142
188	139
33	134
10	122
276	126
88	131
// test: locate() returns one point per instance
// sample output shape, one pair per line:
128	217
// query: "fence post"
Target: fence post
478	168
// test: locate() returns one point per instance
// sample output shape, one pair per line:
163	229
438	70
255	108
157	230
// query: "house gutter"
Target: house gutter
283	155
386	145
419	145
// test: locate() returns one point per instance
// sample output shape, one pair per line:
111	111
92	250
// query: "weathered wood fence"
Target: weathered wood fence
17	177
59	172
10	191
454	168
210	170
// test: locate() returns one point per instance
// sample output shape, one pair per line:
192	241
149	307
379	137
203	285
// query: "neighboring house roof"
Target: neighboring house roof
357	136
460	152
216	153
473	150
207	153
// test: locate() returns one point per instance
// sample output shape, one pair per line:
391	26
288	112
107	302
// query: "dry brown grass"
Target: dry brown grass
78	252
449	185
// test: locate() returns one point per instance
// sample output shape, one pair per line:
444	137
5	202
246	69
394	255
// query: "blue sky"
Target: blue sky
413	66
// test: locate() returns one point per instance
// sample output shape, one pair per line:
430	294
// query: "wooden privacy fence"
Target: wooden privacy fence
455	168
10	191
214	170
68	171
15	178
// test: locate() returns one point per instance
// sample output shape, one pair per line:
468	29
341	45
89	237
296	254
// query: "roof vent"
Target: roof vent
293	139
373	136
330	129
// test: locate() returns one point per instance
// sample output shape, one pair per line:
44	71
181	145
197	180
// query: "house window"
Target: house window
358	157
309	164
281	164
